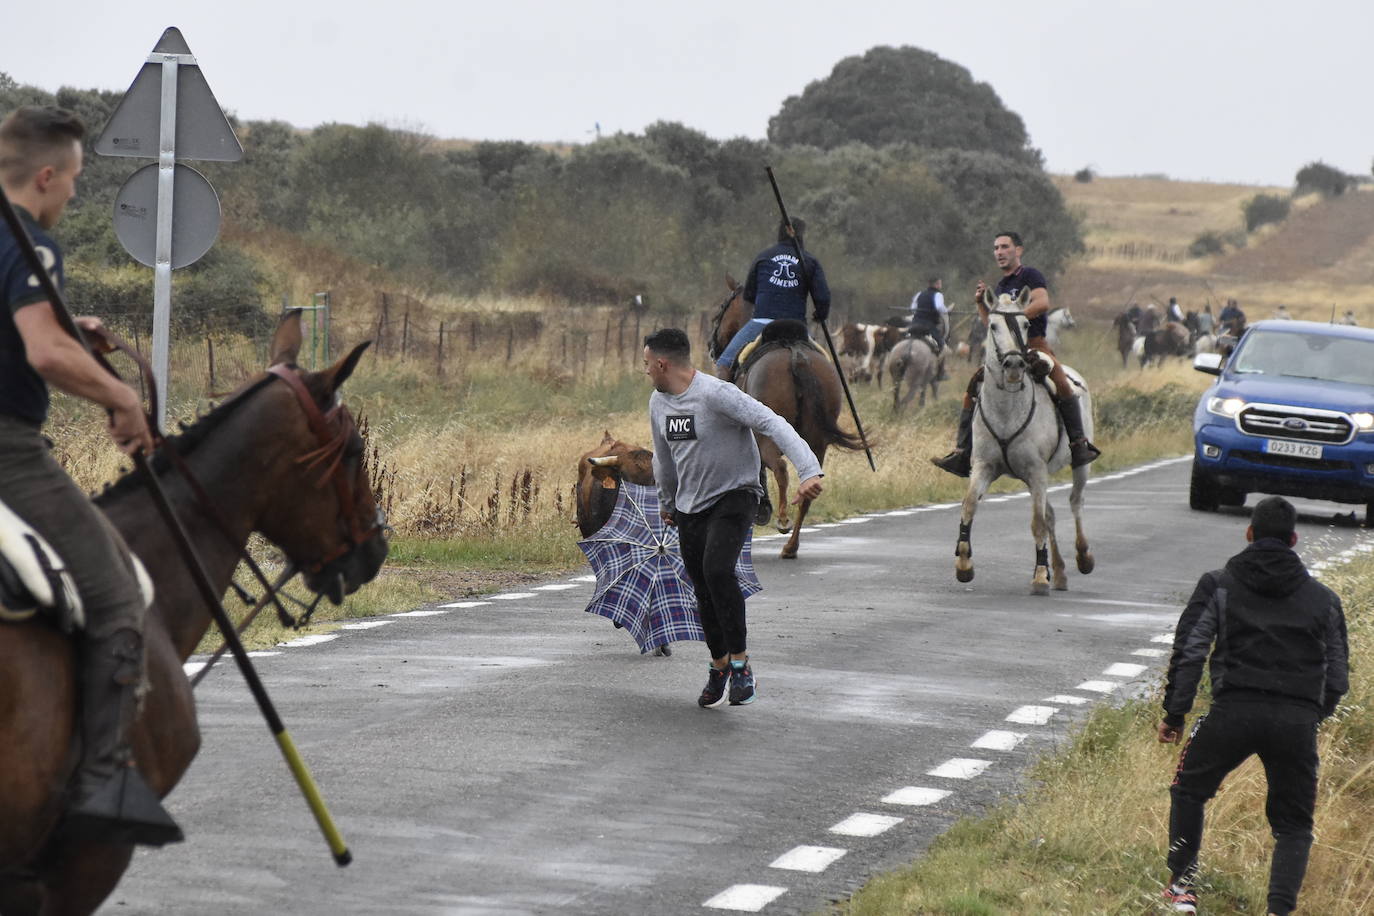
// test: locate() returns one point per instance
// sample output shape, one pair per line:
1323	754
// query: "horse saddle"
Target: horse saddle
931	342
34	578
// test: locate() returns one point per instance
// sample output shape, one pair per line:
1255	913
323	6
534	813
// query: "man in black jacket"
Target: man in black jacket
1279	656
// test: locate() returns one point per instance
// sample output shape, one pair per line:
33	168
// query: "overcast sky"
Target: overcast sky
1207	89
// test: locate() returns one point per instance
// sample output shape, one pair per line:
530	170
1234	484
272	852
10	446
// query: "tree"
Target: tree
1265	208
895	95
1320	177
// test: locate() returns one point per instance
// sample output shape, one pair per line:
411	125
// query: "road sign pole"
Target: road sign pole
162	269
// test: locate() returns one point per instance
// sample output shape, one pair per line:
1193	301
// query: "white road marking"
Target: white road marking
960	768
1067	699
366	624
511	596
304	641
419	614
262	653
828	525
859	520
1166	638
1151	653
1098	686
862	824
192	668
814	859
555	587
466	604
583	579
916	796
747	898
999	741
1123	669
1032	715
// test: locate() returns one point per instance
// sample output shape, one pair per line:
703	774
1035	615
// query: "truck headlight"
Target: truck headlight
1229	407
1363	421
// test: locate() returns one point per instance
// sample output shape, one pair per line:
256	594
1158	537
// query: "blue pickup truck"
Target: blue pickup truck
1292	413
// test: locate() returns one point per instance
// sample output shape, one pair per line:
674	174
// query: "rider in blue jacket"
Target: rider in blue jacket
776	288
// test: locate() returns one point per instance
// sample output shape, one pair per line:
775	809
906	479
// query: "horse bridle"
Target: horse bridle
1014	328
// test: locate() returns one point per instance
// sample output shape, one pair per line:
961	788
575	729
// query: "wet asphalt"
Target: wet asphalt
521	757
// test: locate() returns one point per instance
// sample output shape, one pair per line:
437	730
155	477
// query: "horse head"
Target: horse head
1006	360
599	473
324	515
730	317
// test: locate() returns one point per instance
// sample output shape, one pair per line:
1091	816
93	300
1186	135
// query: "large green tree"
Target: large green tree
902	95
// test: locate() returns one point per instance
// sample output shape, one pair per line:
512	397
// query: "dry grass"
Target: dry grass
1089	838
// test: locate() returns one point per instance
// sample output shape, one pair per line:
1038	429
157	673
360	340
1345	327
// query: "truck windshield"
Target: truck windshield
1314	356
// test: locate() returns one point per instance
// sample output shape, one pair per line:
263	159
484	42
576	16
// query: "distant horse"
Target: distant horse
1017	431
977	334
1056	323
280	457
731	315
799	383
1125	336
915	363
1170	340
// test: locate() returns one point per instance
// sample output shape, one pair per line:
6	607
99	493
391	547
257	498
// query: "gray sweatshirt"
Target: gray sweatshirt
704	443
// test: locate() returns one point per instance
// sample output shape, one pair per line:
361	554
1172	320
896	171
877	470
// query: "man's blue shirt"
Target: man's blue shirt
1026	278
23	393
776	288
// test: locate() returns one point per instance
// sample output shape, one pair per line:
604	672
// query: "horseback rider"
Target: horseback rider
40	160
927	311
1008	250
776	289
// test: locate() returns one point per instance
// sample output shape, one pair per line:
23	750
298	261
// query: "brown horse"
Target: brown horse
274	464
800	384
731	315
1125	336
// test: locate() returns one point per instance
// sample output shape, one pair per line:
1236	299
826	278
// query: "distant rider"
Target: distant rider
776	290
927	313
1008	250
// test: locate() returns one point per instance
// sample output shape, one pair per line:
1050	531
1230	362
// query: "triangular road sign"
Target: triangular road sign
203	132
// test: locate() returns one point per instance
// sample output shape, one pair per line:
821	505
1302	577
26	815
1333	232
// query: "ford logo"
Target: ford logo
1295	423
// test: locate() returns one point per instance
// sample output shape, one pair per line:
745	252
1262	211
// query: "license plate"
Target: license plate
1296	449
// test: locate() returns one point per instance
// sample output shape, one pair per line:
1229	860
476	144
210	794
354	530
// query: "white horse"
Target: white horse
1017	431
913	362
1056	323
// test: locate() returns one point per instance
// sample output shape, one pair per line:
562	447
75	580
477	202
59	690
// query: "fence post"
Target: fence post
606	341
620	339
405	332
210	347
440	358
472	334
510	342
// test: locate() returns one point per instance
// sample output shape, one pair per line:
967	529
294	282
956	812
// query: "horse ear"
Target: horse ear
286	342
731	283
338	373
988	302
1023	297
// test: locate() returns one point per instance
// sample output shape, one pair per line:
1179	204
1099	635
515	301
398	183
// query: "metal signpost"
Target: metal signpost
167	215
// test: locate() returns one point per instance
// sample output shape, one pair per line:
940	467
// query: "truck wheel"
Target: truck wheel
1369	514
1202	491
1229	496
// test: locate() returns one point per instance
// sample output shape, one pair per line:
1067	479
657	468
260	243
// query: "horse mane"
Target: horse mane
712	346
185	443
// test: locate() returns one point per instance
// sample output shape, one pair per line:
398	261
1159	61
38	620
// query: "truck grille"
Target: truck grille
1300	423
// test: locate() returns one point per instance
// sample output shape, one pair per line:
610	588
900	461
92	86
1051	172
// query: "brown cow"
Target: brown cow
869	344
598	483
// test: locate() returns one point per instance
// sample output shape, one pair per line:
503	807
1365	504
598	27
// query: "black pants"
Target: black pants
711	543
1285	738
36	488
919	328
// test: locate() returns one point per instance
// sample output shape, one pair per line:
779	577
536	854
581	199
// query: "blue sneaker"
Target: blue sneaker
741	683
713	694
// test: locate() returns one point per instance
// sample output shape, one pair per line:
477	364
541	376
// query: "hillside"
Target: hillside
1137	231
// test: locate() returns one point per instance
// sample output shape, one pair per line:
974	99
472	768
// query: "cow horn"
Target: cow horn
609	461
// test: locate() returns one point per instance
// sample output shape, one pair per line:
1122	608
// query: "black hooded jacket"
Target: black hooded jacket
1279	636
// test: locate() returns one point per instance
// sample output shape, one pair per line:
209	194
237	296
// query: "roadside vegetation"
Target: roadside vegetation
1089	835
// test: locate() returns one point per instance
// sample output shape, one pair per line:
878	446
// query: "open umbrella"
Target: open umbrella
641	582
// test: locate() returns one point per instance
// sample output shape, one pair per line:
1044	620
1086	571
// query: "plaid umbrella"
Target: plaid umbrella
641	582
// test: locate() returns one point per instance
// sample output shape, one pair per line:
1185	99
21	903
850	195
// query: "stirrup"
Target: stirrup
123	810
1082	452
957	462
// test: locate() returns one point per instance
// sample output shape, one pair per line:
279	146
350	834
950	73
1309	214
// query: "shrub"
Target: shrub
1208	243
1322	178
1265	208
1083	175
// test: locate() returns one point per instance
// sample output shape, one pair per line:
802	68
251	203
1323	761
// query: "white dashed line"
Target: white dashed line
862	824
1098	686
419	614
366	624
466	604
999	741
1151	653
511	596
1032	715
1124	669
916	796
855	521
192	668
303	641
960	768
814	859
555	587
263	653
746	898
1066	699
583	579
1165	638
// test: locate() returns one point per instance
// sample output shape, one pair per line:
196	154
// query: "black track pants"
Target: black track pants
711	543
1285	738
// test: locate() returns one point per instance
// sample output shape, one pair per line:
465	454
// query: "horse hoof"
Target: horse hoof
1040	589
788	554
963	573
1086	563
784	529
1061	582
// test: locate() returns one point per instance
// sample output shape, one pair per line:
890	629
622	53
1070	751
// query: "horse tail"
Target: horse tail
808	388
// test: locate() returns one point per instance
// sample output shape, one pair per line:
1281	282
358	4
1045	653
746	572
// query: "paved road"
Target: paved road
518	756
